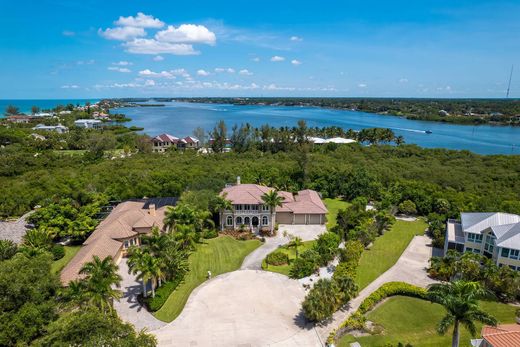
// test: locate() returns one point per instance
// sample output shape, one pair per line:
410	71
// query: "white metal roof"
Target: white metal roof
477	222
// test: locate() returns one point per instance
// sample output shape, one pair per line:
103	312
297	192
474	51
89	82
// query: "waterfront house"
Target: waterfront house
163	142
60	129
19	119
88	123
120	230
250	212
493	234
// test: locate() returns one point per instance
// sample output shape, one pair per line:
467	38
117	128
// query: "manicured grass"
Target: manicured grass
334	205
291	253
414	321
70	252
386	250
218	255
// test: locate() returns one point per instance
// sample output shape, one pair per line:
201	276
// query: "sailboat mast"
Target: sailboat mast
509	84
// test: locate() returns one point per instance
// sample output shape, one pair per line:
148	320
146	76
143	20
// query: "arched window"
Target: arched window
265	220
229	220
247	220
239	220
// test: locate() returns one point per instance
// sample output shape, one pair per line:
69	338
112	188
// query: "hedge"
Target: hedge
277	258
162	294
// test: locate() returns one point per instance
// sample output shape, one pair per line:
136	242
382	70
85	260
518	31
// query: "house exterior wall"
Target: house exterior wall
508	261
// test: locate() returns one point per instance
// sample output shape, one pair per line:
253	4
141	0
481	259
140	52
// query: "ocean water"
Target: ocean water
26	104
180	119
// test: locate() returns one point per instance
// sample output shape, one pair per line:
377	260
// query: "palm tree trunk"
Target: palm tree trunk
272	221
152	281
144	288
455	338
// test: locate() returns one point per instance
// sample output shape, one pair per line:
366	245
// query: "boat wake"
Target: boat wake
411	130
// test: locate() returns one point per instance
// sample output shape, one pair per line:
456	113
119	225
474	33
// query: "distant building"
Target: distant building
19	119
191	142
337	140
163	142
60	129
88	123
493	234
444	113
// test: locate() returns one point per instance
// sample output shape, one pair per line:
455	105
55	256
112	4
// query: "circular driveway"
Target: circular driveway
242	308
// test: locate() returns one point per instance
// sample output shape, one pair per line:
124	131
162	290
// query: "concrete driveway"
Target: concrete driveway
242	308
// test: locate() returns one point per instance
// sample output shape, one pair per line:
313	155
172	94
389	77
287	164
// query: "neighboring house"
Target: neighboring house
163	142
120	230
19	119
249	210
505	335
88	123
60	129
493	234
337	140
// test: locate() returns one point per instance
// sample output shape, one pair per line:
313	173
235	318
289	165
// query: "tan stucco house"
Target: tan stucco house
493	234
249	210
120	230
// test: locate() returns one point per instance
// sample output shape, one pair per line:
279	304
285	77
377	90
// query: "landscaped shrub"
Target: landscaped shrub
305	265
7	249
278	258
210	234
391	289
352	251
407	207
327	247
322	300
346	285
58	252
162	294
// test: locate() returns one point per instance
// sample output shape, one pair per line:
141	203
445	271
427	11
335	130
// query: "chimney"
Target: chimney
238	180
151	209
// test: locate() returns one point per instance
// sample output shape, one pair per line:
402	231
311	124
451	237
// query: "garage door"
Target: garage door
314	219
299	219
284	217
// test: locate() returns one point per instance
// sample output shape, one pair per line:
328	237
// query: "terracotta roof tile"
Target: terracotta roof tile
506	335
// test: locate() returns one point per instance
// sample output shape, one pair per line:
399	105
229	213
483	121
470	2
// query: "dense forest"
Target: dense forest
462	111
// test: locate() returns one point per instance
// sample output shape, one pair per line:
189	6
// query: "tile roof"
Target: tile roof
305	202
120	224
190	139
166	138
506	335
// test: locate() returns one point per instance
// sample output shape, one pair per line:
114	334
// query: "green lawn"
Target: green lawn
284	269
70	252
411	320
386	250
334	205
218	255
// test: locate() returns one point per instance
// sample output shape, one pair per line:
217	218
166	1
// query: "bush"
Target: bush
408	207
352	251
327	246
391	289
277	258
58	252
322	300
305	265
7	249
162	294
210	234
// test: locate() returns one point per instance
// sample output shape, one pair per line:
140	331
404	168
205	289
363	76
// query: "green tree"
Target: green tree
11	110
460	299
327	246
295	243
407	207
218	137
35	110
272	200
100	278
221	204
322	301
7	249
187	236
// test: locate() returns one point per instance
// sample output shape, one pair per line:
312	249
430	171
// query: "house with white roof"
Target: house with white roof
60	129
493	234
88	123
249	210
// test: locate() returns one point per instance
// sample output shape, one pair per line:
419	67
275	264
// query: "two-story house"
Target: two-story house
250	212
493	234
163	142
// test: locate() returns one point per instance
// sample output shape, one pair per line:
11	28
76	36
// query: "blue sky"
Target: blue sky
92	49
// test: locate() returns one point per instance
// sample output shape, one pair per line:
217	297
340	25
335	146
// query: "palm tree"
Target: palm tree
222	204
180	214
187	236
273	200
296	242
100	278
460	299
137	265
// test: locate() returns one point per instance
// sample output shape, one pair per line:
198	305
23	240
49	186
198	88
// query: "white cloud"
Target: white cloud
186	33
221	70
203	73
122	33
273	86
123	63
296	38
403	80
151	46
362	85
151	74
86	62
119	69
70	86
277	58
296	62
158	58
245	72
140	21
68	33
256	59
149	83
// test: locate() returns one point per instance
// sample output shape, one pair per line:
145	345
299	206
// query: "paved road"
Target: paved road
242	308
410	268
128	308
